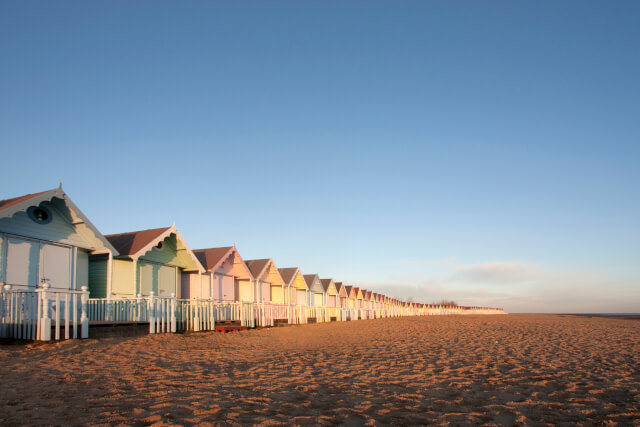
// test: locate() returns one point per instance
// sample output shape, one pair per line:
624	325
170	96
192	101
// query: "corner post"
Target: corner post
172	314
151	309
44	326
84	319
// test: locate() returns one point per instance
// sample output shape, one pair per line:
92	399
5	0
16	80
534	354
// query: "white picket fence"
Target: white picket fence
31	314
46	314
202	314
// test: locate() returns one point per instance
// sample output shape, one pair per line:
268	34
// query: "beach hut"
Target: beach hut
149	260
269	285
359	298
368	304
352	296
343	296
227	277
330	293
316	290
296	286
331	299
46	239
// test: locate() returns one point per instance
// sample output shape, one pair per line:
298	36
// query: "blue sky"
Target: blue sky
481	151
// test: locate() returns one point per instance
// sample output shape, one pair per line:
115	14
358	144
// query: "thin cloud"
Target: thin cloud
498	273
515	286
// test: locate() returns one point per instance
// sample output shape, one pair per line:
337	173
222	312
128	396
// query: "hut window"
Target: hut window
41	215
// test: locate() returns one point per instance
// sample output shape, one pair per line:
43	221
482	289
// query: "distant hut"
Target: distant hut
269	285
316	290
295	285
228	279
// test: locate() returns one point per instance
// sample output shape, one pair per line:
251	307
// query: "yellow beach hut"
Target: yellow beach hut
331	299
269	285
149	260
295	285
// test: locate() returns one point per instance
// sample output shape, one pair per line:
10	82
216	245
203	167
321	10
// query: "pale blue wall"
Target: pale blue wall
58	230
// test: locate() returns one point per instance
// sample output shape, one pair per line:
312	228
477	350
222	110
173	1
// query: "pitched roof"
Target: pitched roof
14	201
326	283
348	289
10	207
338	285
210	257
308	278
256	266
132	242
288	274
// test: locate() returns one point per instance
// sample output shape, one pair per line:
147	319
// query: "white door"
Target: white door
146	277
317	300
245	291
276	295
55	265
301	297
166	280
22	263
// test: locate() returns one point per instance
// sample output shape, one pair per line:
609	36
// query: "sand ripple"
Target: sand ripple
505	370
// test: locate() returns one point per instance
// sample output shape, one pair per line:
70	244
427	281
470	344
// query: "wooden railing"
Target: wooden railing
46	313
18	314
31	314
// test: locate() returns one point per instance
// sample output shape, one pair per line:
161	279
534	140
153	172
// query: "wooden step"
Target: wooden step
229	328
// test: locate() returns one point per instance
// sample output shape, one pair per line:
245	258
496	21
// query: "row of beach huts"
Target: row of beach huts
59	275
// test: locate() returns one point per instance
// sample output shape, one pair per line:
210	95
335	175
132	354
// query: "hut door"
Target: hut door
301	297
166	280
245	291
147	274
55	265
332	301
22	263
317	300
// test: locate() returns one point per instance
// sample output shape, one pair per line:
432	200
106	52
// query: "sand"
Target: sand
512	369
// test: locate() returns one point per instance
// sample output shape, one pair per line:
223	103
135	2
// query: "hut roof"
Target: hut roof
309	279
257	266
135	244
288	273
132	242
326	283
210	257
7	203
97	241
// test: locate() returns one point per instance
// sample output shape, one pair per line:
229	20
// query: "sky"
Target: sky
485	152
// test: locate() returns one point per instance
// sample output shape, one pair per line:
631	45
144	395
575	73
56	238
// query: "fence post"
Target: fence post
44	324
138	309
4	321
196	315
173	313
84	320
151	313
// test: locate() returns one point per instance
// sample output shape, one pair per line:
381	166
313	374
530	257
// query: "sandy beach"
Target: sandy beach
512	369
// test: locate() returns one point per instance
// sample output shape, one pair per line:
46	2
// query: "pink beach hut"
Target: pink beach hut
227	279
